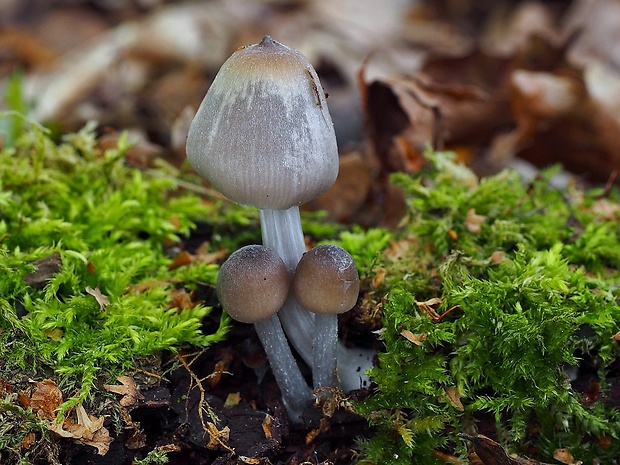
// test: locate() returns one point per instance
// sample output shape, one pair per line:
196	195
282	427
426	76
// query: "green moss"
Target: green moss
103	226
530	273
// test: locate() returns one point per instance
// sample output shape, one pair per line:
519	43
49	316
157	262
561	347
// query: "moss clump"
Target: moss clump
86	285
497	298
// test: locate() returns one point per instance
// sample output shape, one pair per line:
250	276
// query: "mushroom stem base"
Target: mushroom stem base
296	394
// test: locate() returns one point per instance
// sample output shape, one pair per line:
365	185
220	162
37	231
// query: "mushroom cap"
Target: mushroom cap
326	280
263	135
253	284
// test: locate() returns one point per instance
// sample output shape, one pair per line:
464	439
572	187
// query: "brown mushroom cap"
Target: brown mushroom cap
263	135
326	280
253	284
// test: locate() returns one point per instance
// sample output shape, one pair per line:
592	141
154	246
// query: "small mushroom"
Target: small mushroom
326	282
252	286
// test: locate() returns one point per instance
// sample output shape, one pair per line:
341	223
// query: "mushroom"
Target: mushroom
326	282
263	136
252	285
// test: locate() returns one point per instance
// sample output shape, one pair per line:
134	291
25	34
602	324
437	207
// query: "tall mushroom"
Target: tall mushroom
263	136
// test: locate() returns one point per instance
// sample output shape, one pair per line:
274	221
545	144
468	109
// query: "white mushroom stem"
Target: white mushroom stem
296	395
281	231
325	344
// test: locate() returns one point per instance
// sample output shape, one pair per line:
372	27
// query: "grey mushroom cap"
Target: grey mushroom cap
263	135
253	284
326	280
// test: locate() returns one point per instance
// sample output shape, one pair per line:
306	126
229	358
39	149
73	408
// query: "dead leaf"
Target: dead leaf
182	259
606	209
44	269
267	426
417	339
220	368
564	456
455	397
101	299
180	299
492	453
498	257
88	430
378	278
232	400
324	426
427	307
473	222
29	440
218	438
46	399
398	249
128	389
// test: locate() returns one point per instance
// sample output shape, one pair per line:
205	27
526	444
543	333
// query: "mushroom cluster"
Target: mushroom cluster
263	136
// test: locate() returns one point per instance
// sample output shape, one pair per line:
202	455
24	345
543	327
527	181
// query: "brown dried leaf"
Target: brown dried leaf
88	430
232	400
498	257
29	440
180	299
44	269
346	198
492	453
220	368
101	299
455	397
182	259
416	339
564	456
267	426
128	389
378	278
45	399
606	209
218	438
427	307
473	222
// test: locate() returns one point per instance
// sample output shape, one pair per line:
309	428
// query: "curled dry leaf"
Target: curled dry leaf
88	430
416	339
455	397
497	257
101	299
473	222
232	400
427	307
128	389
267	426
218	438
565	456
45	399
